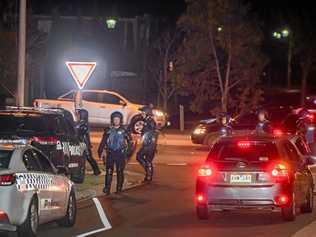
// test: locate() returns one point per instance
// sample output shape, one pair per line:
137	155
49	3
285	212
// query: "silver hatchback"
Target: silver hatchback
251	172
32	191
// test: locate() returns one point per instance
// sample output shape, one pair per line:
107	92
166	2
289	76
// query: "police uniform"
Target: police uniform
148	148
225	130
84	134
117	143
263	127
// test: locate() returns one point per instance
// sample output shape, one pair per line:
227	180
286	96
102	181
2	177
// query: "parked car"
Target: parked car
255	172
33	191
101	104
51	131
206	131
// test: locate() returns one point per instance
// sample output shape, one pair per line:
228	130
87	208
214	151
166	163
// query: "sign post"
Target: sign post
80	72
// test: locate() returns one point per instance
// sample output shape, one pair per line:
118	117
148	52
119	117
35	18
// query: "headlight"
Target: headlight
199	131
158	113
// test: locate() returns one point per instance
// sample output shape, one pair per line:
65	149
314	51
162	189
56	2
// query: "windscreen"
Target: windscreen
20	123
5	157
244	151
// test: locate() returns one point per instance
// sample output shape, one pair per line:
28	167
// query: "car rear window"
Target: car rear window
5	157
19	123
248	151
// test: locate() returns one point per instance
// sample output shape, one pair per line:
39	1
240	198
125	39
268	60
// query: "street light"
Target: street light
111	23
219	29
285	33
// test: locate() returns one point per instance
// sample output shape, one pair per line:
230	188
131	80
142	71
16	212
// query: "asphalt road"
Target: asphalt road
166	208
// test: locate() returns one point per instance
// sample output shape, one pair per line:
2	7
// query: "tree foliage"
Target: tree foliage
220	59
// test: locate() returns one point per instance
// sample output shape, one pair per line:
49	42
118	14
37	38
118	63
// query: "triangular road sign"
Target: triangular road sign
81	71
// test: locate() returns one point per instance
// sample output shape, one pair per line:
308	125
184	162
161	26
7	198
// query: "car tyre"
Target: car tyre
309	205
202	212
70	218
135	123
289	213
30	225
79	178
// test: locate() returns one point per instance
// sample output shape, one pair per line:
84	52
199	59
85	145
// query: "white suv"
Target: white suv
101	104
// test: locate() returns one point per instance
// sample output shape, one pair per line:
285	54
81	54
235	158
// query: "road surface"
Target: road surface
166	208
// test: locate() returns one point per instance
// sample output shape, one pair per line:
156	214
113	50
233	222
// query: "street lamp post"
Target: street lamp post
285	33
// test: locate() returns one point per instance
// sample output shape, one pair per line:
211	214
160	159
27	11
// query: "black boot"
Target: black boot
149	172
120	181
108	182
94	165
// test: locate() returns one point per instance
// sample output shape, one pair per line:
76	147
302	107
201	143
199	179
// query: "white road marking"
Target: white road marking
103	218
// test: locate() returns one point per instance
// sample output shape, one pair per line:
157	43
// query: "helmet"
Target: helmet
116	114
147	110
224	115
83	115
263	111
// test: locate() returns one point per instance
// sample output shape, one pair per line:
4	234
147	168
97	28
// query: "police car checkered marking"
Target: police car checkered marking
33	181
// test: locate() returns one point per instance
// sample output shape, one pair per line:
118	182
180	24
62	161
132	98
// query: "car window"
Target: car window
30	161
60	127
233	151
291	152
5	157
69	126
24	123
302	147
45	164
110	99
90	96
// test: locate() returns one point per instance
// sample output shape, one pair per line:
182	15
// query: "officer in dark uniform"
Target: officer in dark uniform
225	128
117	143
148	148
263	125
84	134
306	128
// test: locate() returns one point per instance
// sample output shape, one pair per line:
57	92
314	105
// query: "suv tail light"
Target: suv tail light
280	172
200	198
4	217
7	179
205	171
52	140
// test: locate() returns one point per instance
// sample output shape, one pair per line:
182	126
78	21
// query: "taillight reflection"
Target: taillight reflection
7	179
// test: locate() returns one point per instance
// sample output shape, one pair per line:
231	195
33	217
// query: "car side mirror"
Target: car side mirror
61	170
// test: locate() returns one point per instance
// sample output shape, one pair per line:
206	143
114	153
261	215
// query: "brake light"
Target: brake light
282	200
51	140
205	171
243	144
277	132
7	179
200	198
280	172
3	216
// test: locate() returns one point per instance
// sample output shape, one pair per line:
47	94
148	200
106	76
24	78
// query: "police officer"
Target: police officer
263	126
225	128
117	143
83	132
306	128
148	148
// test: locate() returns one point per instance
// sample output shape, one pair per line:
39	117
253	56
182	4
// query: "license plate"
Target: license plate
240	178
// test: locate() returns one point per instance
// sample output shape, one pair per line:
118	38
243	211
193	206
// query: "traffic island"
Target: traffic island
93	185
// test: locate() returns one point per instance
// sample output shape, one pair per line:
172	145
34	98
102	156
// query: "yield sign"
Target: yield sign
81	71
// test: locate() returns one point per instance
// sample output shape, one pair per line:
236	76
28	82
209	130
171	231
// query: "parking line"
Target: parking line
103	218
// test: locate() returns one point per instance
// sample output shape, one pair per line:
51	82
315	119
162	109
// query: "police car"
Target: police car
51	131
32	191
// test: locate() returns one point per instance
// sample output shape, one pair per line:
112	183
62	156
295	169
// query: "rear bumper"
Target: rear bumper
7	227
261	197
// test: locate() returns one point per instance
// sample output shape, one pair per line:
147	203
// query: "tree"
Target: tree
161	66
220	58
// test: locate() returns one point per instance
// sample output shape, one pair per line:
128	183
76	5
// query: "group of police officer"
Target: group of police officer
117	146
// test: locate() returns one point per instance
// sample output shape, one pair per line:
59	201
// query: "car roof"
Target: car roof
32	110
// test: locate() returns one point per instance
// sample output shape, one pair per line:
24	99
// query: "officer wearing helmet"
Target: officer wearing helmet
117	144
83	133
149	139
225	128
263	126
